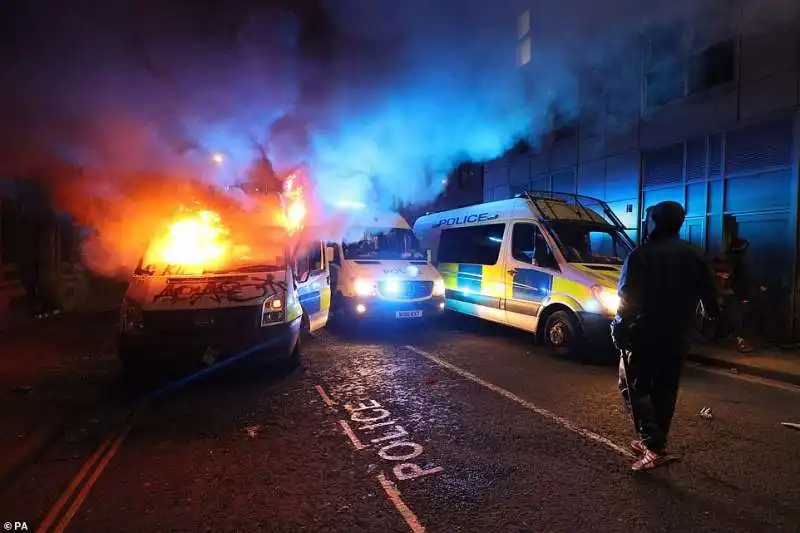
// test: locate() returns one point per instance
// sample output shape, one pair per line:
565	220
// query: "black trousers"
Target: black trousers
649	387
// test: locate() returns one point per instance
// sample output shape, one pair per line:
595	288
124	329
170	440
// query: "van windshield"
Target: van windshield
591	243
239	259
381	244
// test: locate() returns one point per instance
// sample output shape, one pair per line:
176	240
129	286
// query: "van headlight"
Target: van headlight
272	311
365	287
438	287
608	299
132	316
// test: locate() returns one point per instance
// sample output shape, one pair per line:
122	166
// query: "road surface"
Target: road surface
463	427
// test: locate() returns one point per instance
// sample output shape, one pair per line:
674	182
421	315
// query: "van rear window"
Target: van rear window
477	245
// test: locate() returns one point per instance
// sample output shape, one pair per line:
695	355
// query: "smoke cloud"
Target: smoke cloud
378	100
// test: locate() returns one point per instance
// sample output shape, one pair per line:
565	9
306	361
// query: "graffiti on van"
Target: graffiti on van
238	290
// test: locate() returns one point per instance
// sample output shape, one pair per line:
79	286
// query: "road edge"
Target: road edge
753	370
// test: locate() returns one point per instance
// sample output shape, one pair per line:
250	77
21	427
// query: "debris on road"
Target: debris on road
791	425
706	413
253	431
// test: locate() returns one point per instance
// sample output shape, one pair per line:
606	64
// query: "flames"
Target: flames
296	211
194	241
159	219
200	240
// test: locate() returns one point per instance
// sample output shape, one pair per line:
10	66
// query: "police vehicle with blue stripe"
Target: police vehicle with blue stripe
543	262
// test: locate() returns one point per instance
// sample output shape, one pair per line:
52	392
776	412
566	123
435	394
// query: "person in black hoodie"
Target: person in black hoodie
659	288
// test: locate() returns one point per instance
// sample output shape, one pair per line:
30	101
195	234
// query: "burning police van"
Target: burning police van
197	296
544	262
379	271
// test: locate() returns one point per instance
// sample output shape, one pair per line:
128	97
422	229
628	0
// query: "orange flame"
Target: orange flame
194	241
294	218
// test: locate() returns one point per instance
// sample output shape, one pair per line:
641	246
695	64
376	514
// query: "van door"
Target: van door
530	268
314	285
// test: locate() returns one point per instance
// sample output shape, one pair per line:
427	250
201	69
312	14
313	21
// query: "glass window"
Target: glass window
528	245
523	23
381	244
478	245
336	255
315	258
523	242
591	243
524	52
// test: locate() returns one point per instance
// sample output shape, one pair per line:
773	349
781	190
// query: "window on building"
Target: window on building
671	73
524	51
477	245
524	24
665	84
714	66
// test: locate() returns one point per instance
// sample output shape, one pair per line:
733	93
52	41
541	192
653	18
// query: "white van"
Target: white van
379	271
545	262
177	317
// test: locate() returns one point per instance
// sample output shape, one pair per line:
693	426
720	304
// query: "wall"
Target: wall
730	150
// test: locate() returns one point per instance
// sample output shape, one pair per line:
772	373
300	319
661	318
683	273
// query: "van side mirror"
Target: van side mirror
329	253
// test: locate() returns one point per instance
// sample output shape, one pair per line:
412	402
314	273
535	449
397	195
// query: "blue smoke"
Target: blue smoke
401	93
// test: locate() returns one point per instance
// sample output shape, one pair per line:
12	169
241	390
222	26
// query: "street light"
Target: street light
218	158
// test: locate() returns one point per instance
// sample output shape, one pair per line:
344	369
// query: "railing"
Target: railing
586	205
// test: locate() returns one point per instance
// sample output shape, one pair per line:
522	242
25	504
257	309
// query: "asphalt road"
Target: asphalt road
464	427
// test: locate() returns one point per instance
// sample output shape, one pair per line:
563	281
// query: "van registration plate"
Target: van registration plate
409	314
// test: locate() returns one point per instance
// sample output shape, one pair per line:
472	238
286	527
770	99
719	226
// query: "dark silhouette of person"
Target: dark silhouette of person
659	288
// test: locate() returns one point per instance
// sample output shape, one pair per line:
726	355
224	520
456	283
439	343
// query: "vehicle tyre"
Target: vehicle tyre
296	355
336	316
563	334
305	327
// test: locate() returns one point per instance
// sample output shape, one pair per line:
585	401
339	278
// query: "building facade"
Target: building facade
463	187
714	127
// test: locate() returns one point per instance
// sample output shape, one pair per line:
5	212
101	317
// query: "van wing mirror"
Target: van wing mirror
329	253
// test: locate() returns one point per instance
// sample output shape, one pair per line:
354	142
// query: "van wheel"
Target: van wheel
305	327
295	356
563	334
335	314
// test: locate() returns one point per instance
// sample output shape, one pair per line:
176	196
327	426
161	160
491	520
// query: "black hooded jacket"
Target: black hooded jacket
661	283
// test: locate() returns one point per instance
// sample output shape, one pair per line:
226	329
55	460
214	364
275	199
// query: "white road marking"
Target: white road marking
325	397
357	444
747	377
394	497
561	421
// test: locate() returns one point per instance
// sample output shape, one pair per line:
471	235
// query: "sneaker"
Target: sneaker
743	346
638	446
650	460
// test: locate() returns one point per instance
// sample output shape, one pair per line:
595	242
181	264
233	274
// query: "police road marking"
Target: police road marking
394	496
356	442
325	397
561	421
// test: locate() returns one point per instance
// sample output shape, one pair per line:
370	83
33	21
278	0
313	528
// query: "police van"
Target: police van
378	270
544	262
181	313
